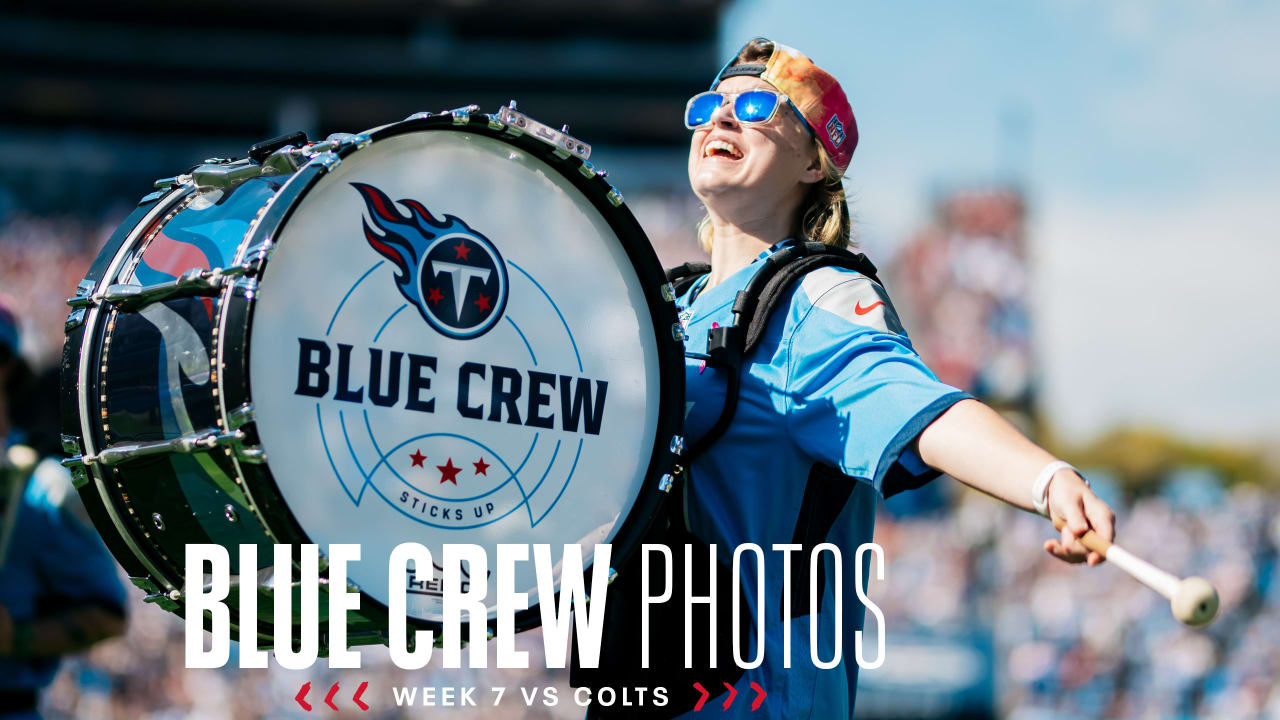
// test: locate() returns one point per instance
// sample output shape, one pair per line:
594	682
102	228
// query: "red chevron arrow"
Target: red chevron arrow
363	706
732	694
702	700
301	697
328	699
760	696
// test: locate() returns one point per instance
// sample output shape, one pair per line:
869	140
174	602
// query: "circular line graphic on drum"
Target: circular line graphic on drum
395	479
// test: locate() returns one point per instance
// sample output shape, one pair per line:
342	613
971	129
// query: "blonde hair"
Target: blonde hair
823	215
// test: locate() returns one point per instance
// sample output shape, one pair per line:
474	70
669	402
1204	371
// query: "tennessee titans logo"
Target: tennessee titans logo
451	273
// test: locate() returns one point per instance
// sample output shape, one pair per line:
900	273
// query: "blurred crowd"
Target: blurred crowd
1078	642
42	258
1066	641
961	284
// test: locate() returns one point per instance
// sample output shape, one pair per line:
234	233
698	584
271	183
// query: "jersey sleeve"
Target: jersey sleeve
857	393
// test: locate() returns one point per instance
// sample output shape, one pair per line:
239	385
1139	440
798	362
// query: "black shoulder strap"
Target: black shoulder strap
727	346
775	287
682	276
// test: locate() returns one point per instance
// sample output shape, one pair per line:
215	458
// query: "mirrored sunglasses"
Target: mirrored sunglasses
752	107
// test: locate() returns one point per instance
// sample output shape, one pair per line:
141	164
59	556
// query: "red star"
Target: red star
434	297
448	473
482	302
481	467
462	249
417	457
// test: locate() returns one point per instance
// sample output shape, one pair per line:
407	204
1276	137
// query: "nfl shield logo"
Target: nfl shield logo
835	130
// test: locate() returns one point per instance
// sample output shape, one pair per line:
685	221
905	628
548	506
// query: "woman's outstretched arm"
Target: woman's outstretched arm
973	444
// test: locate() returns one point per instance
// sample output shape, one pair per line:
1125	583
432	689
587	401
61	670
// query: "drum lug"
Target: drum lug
77	465
565	144
237	419
70	444
668	292
587	170
325	161
419	116
677	444
677	332
79	473
75	319
615	197
665	482
78	302
355	140
79	476
462	115
84	294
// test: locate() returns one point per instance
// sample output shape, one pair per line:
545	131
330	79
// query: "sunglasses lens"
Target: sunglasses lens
755	106
701	108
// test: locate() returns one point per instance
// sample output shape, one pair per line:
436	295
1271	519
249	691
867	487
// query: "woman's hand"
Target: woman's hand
1081	510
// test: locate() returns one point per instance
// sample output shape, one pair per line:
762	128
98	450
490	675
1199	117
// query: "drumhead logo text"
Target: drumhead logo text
451	273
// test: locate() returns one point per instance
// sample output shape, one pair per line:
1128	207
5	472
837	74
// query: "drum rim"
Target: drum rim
99	501
259	241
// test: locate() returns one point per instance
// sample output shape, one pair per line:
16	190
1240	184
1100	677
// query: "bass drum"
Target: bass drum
445	330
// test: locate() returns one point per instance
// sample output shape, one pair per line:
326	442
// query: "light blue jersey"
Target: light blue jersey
835	380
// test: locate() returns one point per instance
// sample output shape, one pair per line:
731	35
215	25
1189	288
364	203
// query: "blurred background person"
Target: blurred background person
59	588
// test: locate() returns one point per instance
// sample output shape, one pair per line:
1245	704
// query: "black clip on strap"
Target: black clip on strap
725	345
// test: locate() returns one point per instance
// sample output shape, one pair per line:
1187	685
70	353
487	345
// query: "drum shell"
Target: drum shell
150	508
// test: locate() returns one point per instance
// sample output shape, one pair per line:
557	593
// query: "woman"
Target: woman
834	382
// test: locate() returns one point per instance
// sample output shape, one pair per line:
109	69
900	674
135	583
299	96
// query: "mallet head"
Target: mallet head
1195	602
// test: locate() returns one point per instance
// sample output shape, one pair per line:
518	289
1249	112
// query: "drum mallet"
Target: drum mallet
1194	600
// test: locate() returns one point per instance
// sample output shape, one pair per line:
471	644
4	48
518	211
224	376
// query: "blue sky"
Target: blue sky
1148	136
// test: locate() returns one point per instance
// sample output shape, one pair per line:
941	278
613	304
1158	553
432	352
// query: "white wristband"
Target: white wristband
1040	488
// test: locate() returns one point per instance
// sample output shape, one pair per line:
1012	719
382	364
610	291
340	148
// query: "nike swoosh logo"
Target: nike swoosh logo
864	310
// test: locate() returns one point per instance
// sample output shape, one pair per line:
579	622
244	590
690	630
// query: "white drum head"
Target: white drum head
449	345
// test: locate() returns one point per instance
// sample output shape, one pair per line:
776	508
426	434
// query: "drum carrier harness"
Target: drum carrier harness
727	346
827	490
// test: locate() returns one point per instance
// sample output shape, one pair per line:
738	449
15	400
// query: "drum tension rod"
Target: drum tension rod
196	442
192	282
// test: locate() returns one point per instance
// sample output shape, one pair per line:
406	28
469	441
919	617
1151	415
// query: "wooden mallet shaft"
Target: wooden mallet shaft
1193	600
